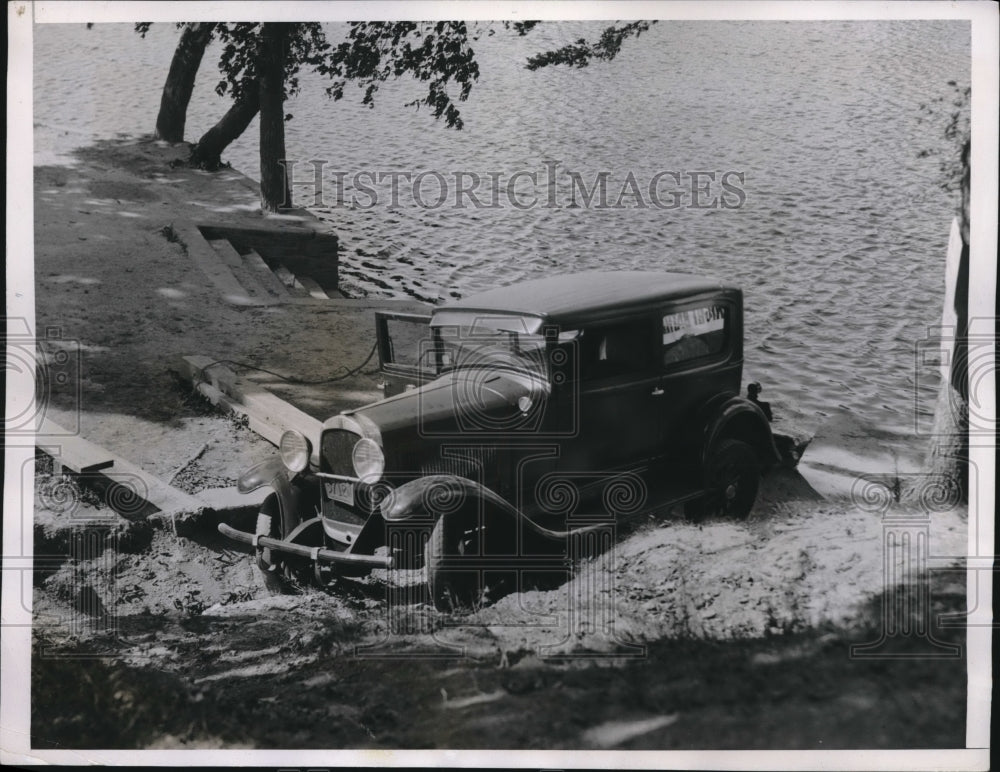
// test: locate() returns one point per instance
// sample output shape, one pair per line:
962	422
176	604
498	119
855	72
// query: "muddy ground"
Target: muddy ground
159	634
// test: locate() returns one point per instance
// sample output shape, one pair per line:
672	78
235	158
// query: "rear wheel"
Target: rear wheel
731	477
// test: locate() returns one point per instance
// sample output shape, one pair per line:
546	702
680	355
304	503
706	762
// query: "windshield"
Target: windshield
502	341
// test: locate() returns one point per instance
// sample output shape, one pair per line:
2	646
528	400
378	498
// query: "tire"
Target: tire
456	578
272	574
450	587
732	477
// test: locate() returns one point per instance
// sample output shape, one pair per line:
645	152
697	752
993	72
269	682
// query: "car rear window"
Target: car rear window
694	333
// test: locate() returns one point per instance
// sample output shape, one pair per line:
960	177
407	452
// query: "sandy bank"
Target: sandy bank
118	291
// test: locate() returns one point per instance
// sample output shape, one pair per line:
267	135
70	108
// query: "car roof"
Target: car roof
591	293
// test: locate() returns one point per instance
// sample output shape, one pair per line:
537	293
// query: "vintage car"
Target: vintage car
517	423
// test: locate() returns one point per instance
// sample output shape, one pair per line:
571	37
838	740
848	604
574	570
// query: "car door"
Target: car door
700	356
617	395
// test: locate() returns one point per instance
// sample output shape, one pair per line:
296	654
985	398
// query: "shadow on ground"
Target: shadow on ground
246	682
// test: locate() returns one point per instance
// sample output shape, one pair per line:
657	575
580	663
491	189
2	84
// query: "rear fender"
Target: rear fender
740	419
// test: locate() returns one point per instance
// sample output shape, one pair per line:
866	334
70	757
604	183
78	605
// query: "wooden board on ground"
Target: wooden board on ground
269	415
73	452
128	489
129	486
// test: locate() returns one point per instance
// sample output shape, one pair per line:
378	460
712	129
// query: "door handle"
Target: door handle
657	392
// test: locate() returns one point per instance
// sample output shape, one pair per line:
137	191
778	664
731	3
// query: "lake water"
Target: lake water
839	239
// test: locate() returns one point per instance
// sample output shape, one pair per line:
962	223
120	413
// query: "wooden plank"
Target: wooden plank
271	282
268	431
74	452
127	488
270	416
161	495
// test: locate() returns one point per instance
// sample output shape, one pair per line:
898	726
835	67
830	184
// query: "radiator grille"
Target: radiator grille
335	453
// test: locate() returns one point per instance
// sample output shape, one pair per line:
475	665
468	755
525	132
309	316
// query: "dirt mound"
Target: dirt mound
785	571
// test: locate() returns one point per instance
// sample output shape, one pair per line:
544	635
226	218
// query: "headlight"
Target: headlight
369	462
295	450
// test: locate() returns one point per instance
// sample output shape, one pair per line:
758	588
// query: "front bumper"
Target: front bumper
316	554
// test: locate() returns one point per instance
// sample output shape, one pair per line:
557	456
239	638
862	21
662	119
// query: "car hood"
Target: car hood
470	398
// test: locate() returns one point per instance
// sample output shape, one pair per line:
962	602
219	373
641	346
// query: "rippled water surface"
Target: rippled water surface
839	245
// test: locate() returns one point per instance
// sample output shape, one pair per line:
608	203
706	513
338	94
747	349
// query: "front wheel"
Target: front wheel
272	570
452	585
731	477
462	572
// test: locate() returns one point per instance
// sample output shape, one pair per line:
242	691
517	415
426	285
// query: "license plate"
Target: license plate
341	491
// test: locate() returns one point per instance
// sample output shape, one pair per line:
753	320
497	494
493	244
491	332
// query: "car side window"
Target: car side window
694	333
616	350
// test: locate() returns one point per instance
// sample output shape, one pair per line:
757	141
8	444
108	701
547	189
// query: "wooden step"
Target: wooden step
244	275
271	282
208	259
313	288
287	278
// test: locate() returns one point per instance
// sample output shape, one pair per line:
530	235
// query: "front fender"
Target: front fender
741	419
262	474
438	495
292	491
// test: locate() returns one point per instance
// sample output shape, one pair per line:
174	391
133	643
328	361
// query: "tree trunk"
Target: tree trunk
273	182
947	460
207	153
180	81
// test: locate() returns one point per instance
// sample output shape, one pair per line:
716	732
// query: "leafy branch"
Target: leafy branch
580	53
